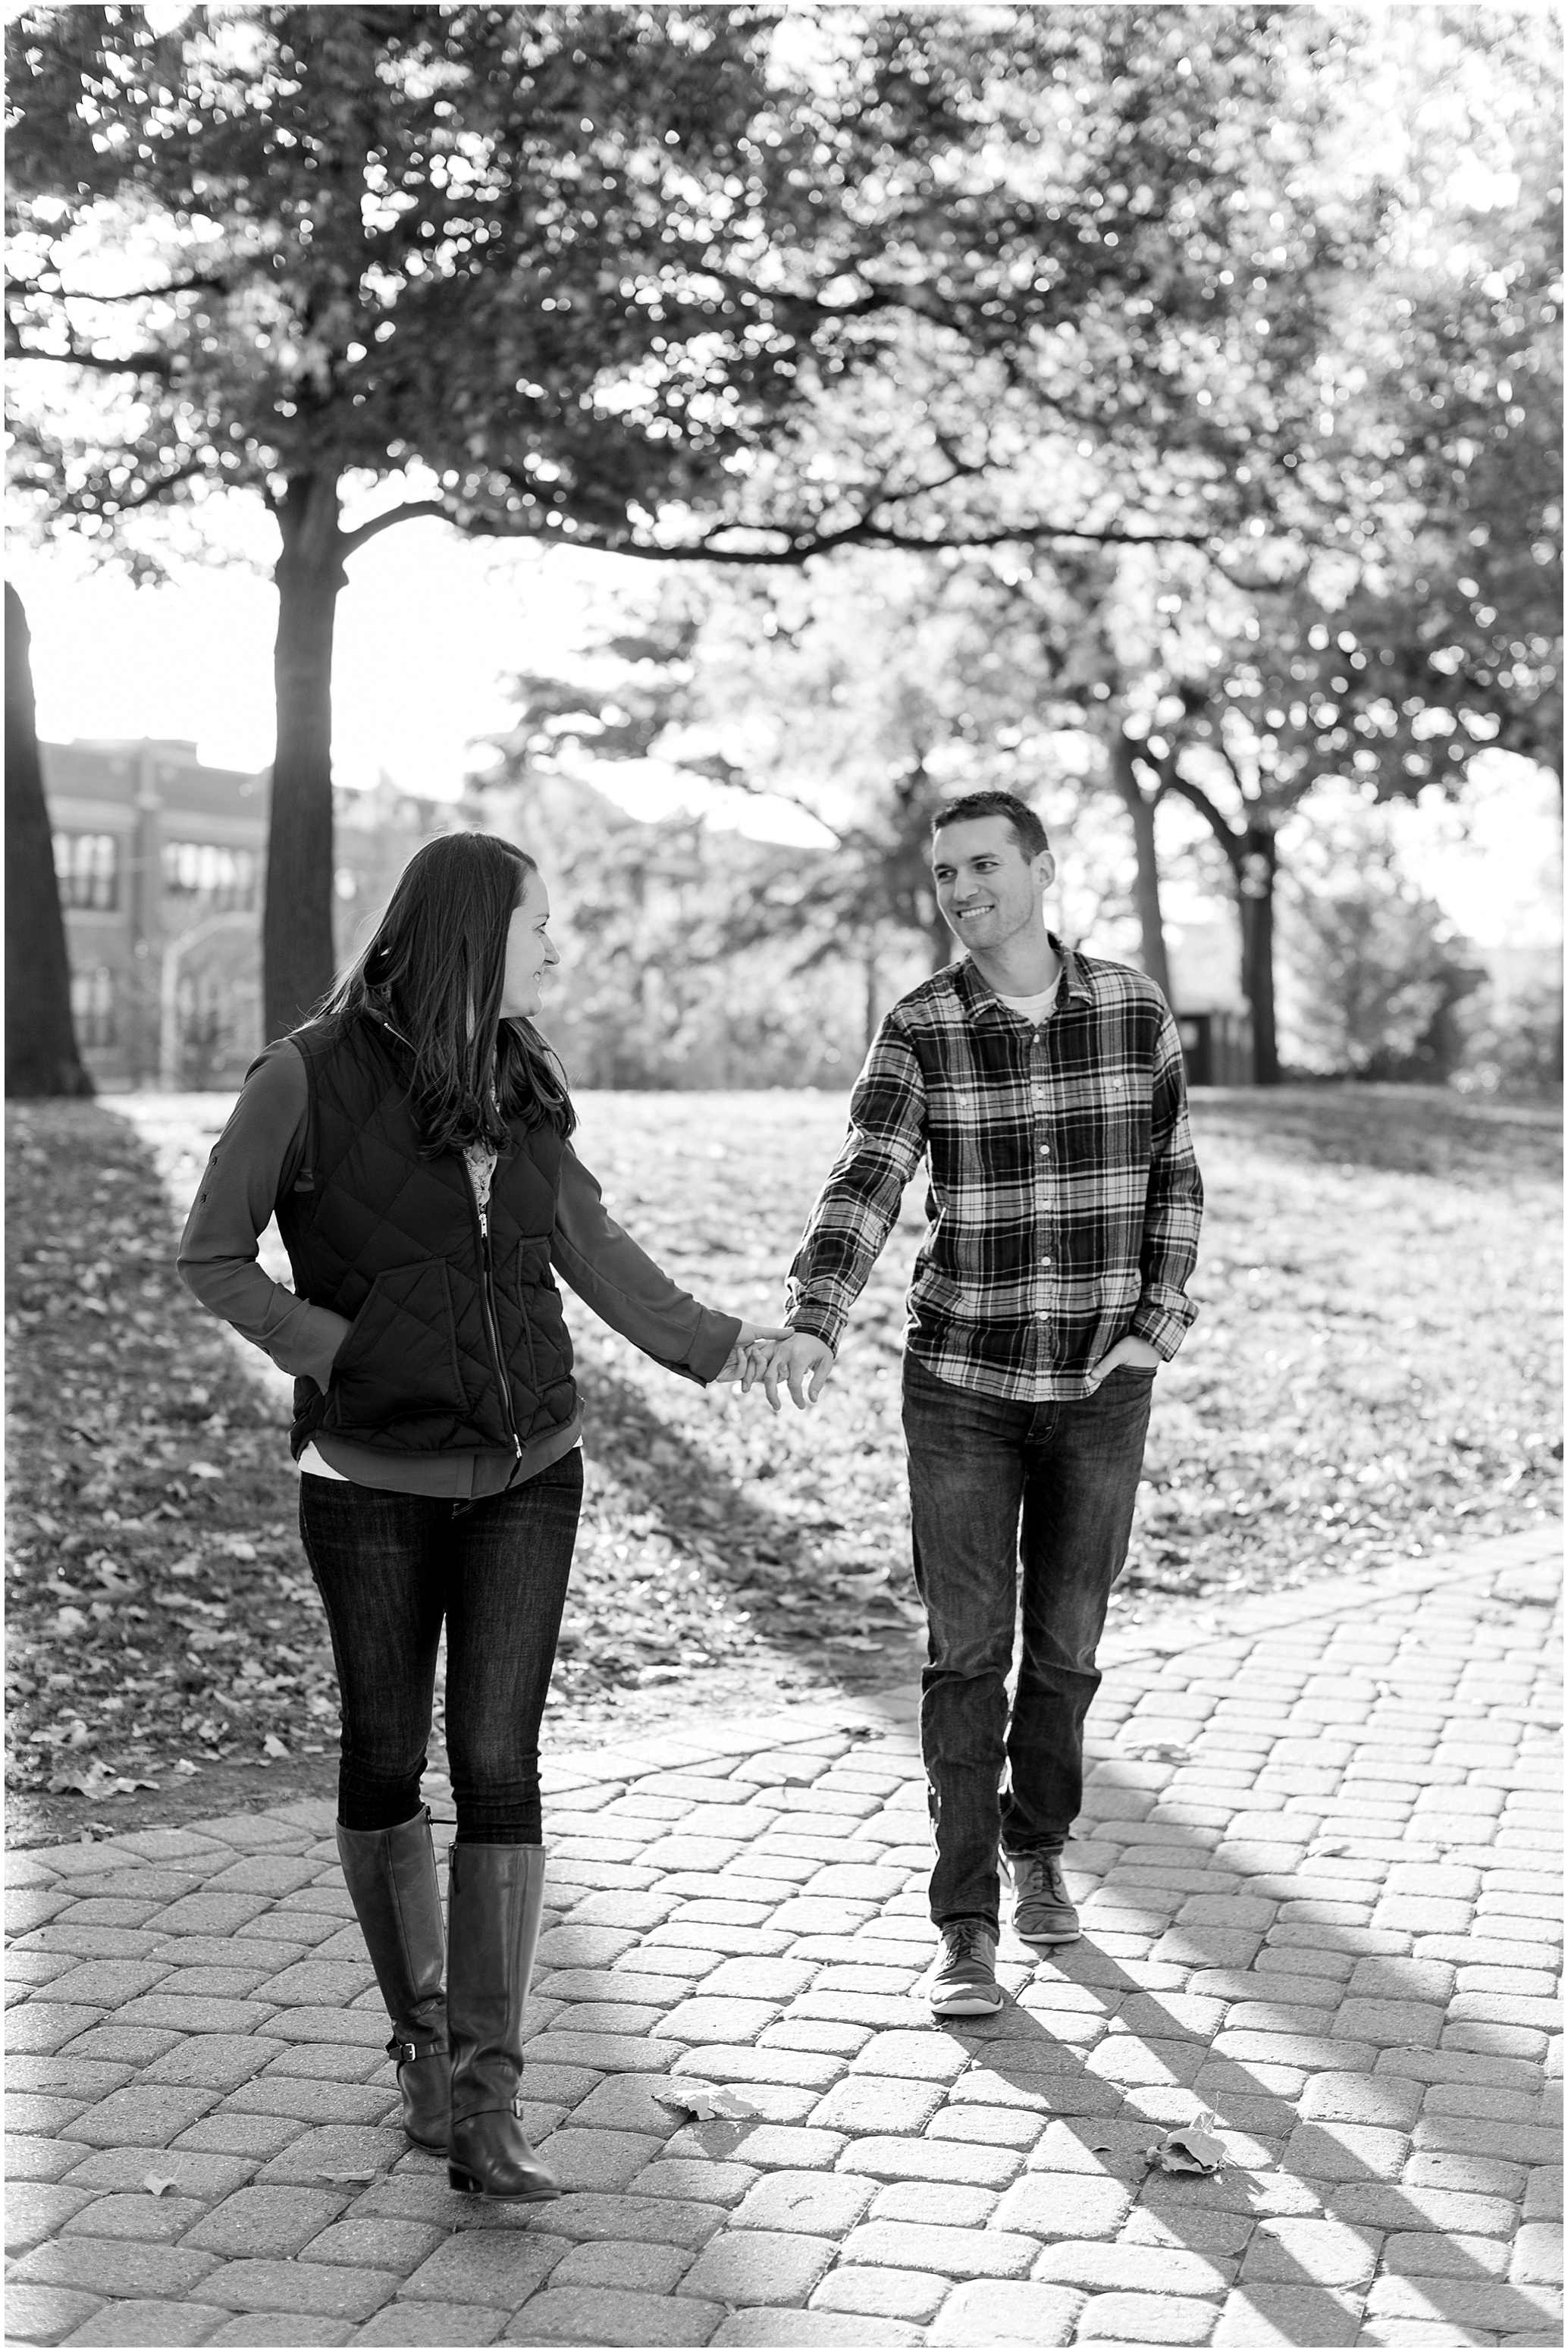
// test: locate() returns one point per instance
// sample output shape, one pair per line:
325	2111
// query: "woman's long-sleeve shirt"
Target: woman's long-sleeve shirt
254	1162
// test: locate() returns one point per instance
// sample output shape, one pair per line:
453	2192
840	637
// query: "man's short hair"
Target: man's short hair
1027	831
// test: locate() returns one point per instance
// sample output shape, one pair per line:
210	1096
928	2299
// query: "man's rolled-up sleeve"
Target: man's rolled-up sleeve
1174	1211
858	1204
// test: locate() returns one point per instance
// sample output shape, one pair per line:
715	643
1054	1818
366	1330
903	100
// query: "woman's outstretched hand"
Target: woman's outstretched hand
750	1357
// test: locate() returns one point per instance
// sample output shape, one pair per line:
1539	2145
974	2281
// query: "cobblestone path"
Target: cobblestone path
1318	1862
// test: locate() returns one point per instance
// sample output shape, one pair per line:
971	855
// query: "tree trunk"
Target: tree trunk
1254	876
41	1056
297	926
1140	806
873	988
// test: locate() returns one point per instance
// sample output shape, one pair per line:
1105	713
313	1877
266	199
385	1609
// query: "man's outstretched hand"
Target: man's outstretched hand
802	1363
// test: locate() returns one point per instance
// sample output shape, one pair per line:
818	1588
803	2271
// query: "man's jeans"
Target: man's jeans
993	1486
389	1567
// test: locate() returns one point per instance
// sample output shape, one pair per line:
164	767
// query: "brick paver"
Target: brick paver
1317	1862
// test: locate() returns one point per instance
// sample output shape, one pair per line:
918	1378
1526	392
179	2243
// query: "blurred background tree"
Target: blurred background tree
1378	972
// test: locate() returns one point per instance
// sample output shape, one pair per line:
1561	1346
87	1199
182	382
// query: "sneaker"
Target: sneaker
964	1980
1043	1910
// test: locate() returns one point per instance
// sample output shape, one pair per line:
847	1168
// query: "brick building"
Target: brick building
161	864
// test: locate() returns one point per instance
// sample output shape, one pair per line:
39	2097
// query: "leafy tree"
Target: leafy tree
41	1056
680	964
1378	971
1514	1036
865	694
1440	436
699	281
1399	611
1264	698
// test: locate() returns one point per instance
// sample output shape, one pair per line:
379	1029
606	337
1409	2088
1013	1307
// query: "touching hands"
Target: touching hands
748	1359
1136	1354
806	1366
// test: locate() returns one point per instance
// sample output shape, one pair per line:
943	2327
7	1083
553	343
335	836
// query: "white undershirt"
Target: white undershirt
1035	1007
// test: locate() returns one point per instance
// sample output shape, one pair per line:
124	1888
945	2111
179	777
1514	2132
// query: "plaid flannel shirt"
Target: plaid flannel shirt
1064	1199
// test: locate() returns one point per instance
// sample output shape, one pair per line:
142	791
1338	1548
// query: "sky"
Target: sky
432	626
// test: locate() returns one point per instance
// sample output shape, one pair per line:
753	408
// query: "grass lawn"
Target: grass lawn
1373	1374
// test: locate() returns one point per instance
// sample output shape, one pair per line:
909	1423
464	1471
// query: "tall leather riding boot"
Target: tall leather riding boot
495	1896
390	1876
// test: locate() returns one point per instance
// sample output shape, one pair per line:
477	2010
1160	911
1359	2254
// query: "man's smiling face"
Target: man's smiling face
987	889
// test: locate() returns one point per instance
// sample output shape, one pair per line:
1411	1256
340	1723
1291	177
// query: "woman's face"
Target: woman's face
530	954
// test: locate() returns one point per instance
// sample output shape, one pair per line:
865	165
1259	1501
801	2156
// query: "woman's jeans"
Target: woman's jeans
995	1487
389	1567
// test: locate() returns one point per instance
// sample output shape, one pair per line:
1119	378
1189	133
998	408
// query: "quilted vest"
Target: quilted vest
459	1343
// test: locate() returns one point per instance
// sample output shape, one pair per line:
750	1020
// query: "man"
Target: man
1046	1088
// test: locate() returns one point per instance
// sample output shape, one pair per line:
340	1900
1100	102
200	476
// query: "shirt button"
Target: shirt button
1045	1261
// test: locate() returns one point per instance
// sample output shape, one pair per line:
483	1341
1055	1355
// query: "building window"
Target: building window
223	880
92	1007
86	868
203	1009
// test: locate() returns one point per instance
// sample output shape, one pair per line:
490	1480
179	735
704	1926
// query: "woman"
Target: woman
413	1140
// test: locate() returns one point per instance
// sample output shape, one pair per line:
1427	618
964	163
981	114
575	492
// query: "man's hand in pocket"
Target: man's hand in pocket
1136	1354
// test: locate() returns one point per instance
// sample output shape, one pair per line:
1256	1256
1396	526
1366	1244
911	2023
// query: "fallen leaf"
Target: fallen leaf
708	2103
347	2178
159	2181
94	1780
273	1746
185	1769
1191	2148
204	1470
1159	1751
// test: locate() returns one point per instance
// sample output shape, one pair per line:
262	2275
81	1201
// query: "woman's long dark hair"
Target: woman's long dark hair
435	970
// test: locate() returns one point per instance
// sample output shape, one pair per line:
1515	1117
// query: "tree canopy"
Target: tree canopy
578	268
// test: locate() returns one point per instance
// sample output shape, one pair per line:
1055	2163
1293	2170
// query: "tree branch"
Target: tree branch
1279	799
158	363
196	284
1223	830
1223	748
864	532
154	490
773	792
416	509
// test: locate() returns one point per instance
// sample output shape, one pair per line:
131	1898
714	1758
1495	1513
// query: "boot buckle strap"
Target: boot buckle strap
406	2051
